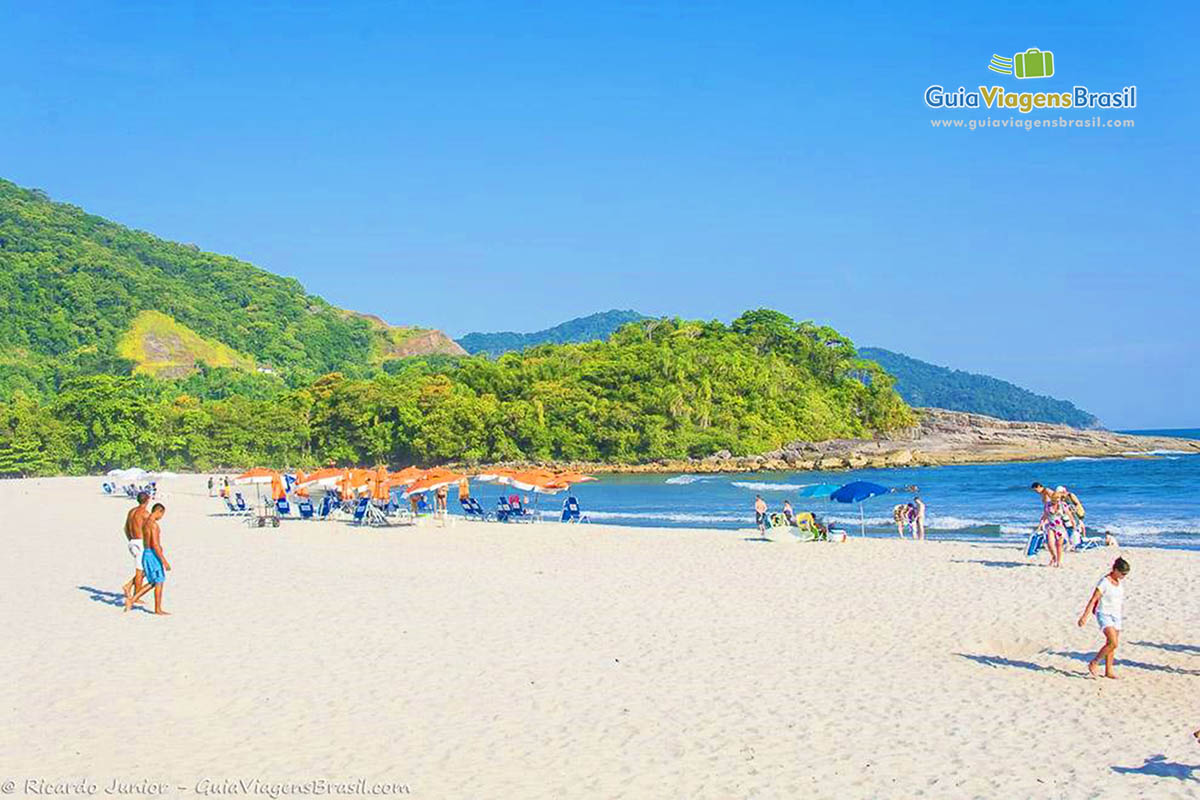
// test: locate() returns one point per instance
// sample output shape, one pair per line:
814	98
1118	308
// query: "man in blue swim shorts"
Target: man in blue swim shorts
154	563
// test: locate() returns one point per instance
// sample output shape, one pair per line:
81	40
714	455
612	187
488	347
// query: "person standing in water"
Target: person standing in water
154	561
902	515
133	542
1107	603
918	517
760	514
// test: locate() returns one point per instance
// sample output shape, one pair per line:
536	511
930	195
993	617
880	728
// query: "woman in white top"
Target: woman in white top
1107	601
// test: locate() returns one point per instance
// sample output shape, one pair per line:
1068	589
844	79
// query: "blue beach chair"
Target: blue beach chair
305	507
283	507
360	510
504	511
519	512
240	501
468	509
478	509
570	512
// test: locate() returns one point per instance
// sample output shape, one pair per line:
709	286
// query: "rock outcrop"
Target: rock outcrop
940	437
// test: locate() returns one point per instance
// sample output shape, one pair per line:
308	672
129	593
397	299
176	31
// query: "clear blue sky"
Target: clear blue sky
483	166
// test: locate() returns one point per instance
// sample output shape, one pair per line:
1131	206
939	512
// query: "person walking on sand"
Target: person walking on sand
1055	514
210	486
1107	602
133	542
760	514
154	561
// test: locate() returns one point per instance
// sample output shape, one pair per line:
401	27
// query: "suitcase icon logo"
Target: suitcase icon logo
1033	63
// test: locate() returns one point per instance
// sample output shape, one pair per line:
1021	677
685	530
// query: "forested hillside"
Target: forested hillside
924	384
591	328
73	284
658	389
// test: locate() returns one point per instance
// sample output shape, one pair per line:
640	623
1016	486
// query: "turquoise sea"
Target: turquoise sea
1152	502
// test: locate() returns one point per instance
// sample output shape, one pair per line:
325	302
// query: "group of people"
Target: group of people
1062	521
911	514
905	514
143	539
763	518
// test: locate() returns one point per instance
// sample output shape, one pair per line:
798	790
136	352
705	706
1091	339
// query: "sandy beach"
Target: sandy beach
488	660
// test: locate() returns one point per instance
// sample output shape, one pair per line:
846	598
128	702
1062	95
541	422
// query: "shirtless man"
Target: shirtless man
134	520
154	561
918	519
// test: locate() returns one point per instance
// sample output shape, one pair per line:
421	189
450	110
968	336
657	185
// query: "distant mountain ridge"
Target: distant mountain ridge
923	384
581	329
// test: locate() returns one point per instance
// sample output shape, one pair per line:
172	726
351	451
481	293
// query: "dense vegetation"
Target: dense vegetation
656	389
72	285
591	328
924	384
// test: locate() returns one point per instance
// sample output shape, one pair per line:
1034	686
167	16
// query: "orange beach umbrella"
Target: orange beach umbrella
433	479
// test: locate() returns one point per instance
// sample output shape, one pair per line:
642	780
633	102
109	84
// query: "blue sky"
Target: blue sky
500	166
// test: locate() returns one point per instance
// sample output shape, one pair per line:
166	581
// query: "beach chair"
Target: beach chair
806	528
570	512
305	507
230	508
503	510
519	512
240	502
471	509
360	510
1037	540
480	514
423	508
108	487
326	506
283	507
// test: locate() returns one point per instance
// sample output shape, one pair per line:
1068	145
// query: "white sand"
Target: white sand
590	661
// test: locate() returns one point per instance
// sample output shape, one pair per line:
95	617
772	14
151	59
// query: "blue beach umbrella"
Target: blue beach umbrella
819	490
857	492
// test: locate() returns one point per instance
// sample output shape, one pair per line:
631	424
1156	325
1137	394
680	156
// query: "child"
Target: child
1106	602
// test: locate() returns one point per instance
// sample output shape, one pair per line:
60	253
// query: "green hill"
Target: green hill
591	328
659	389
924	384
72	287
118	348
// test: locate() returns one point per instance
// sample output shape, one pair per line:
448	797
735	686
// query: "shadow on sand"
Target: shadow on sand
1174	648
116	599
1125	662
1000	661
998	564
1159	767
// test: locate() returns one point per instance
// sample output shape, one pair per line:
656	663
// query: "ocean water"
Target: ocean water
1151	502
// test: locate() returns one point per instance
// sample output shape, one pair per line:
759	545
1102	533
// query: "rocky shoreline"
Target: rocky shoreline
941	437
